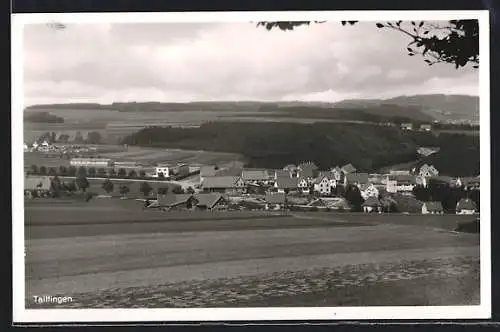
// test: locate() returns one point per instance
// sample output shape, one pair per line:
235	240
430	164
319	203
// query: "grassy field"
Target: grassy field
147	156
112	254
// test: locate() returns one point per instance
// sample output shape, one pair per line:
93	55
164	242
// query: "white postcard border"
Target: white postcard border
23	315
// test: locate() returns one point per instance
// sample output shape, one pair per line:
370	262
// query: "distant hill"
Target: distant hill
440	107
420	108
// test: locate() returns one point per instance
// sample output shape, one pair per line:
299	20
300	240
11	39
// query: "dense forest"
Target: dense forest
273	145
43	117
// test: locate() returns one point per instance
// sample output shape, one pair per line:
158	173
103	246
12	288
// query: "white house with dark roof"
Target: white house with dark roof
304	185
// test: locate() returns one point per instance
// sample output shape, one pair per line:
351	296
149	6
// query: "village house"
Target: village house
400	183
432	208
275	201
37	185
324	183
466	206
428	171
223	184
407	126
425	127
286	184
368	190
372	204
356	179
304	186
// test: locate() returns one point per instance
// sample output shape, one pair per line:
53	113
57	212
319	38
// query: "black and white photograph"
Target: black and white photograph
246	166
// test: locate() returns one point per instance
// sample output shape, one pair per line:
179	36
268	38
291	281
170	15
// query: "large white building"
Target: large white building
91	162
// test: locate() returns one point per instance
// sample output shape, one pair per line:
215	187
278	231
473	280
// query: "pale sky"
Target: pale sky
169	62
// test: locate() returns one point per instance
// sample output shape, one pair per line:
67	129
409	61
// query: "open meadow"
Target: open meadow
109	253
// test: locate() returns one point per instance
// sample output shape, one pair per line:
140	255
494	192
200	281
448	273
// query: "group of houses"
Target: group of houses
409	126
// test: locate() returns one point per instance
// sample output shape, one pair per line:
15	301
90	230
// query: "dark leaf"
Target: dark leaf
411	54
380	25
475	66
412	23
426	32
344	22
409	49
399	23
421	24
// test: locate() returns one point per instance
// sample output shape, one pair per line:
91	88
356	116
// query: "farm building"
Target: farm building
303	185
223	184
432	208
91	162
210	201
177	202
372	204
161	170
466	206
324	183
275	201
255	175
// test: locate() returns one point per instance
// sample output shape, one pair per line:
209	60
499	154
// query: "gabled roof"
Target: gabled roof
171	200
254	175
220	182
231	171
349	168
403	178
360	178
287	183
372	201
275	198
434	206
329	176
37	182
466	204
207	171
208	199
282	174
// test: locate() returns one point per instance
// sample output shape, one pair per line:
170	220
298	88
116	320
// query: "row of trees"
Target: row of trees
90	172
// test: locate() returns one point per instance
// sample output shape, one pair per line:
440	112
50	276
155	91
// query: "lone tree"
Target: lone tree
63	170
108	186
34	169
52	171
124	189
71	187
145	188
92	172
72	171
132	174
142	174
56	186
455	42
42	170
82	172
